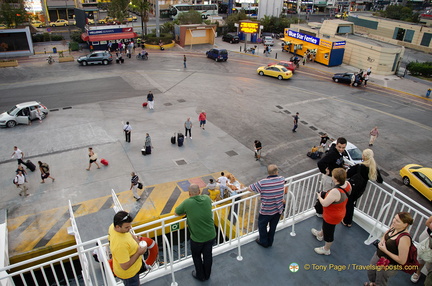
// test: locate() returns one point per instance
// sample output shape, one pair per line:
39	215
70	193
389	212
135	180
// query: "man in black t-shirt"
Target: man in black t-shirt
296	118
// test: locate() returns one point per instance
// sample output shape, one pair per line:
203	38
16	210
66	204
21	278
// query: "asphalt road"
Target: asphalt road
245	105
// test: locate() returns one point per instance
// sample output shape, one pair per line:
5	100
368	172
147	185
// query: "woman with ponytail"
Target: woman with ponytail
367	170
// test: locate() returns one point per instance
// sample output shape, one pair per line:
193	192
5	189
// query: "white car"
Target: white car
22	113
268	41
352	154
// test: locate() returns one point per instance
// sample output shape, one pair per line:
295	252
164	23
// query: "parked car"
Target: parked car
288	65
346	78
268	41
352	154
107	20
59	23
22	113
99	57
38	24
3	26
277	71
218	54
419	177
230	38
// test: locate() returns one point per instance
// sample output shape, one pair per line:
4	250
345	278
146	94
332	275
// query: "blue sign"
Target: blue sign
48	29
105	31
304	37
340	43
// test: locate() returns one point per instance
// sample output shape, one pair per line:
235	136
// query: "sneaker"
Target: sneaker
318	215
321	250
415	278
315	233
190	137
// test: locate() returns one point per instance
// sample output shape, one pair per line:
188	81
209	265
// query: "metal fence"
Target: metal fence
236	219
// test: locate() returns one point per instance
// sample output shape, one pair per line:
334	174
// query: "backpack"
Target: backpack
358	185
45	167
412	264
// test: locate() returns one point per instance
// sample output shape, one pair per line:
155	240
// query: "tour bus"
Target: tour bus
205	9
251	12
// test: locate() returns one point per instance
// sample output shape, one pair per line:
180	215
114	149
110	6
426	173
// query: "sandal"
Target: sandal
347	225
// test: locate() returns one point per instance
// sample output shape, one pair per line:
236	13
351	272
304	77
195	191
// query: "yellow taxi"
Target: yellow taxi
419	177
107	20
37	23
280	72
59	23
90	21
3	26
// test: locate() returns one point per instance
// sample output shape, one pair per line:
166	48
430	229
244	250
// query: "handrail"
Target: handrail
371	238
170	255
239	256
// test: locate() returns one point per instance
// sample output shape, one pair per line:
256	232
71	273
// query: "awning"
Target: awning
107	37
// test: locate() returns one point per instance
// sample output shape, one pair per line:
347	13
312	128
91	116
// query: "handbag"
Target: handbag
412	264
140	185
93	157
358	185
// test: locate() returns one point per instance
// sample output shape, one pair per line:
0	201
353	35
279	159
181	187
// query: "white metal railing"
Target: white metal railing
236	218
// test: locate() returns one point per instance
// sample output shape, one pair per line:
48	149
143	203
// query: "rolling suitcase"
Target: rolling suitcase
104	162
173	139
30	165
180	139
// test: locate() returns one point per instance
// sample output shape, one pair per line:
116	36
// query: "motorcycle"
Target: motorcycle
142	56
50	59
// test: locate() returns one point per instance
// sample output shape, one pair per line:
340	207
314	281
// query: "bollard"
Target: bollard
240	49
275	55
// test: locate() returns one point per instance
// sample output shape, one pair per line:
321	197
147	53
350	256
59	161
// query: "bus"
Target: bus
205	9
251	12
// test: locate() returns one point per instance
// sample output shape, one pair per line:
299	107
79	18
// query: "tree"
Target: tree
13	13
191	17
143	7
398	12
118	9
235	18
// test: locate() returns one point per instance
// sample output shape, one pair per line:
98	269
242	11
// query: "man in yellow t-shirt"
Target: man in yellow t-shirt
125	249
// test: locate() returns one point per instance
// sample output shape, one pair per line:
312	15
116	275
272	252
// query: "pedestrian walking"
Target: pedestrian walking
198	210
20	181
127	130
21	168
134	186
373	135
369	71
304	60
188	127
45	172
18	154
296	118
365	79
92	158
323	142
125	250
150	100
148	145
184	61
272	192
202	119
258	147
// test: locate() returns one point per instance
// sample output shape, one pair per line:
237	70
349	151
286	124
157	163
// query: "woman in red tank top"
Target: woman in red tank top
334	206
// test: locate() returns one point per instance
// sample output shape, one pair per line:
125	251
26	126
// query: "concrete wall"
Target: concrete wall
386	29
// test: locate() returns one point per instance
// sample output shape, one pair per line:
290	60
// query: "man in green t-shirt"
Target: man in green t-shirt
198	209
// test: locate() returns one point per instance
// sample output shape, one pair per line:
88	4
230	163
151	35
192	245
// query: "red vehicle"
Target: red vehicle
288	65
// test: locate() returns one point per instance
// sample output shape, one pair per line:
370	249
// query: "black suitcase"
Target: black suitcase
30	165
173	139
180	139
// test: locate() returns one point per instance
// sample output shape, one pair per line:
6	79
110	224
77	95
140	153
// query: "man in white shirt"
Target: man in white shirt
222	180
127	130
18	154
20	181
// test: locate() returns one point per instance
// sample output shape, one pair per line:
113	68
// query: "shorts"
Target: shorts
92	161
202	122
44	176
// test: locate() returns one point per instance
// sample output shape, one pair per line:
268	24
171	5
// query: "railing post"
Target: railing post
239	256
166	241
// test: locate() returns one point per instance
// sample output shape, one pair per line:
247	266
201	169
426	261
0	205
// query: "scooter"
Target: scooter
50	59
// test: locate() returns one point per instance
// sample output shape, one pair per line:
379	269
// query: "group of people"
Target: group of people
20	179
361	77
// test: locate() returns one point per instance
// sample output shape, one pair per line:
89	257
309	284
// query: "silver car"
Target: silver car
22	113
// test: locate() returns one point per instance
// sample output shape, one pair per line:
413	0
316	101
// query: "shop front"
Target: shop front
324	51
100	37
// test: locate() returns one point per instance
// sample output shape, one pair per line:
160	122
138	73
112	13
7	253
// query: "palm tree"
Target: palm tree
143	7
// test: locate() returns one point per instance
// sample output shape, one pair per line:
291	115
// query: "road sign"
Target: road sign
48	29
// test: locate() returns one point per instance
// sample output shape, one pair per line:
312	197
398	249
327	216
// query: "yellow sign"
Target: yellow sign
249	27
326	44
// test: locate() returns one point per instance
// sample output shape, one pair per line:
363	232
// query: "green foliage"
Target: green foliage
168	27
142	7
398	12
12	13
235	18
74	46
423	69
118	9
45	37
76	37
276	24
191	17
151	39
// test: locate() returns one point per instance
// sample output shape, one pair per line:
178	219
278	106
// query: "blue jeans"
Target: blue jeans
266	237
133	281
202	264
